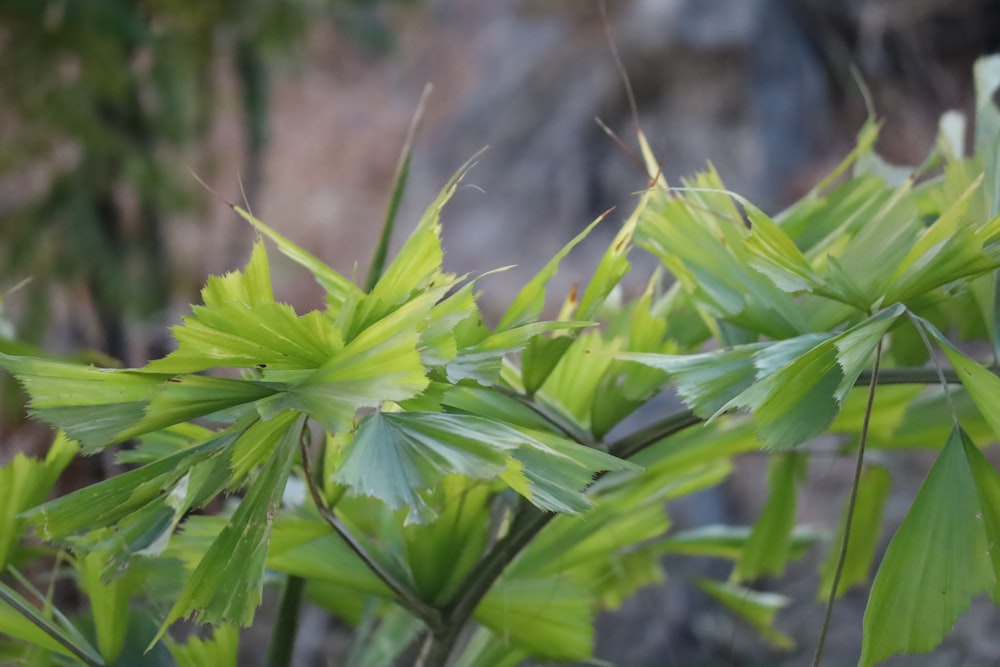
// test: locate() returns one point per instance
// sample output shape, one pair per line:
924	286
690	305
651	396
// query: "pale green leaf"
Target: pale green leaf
24	483
267	335
756	608
986	73
529	302
219	650
109	603
935	564
557	471
982	385
381	364
482	360
338	288
769	547
548	618
613	266
485	649
706	382
441	553
393	630
717	541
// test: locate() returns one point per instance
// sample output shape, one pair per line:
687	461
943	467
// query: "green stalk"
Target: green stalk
851	503
404	596
532	520
279	653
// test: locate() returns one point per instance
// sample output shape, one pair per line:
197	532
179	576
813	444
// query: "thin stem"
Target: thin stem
279	653
428	614
852	502
554	419
531	521
86	656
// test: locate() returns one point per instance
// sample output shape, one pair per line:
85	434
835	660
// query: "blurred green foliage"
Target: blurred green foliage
102	104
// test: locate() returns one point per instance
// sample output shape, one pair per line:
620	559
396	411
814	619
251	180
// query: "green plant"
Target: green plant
471	490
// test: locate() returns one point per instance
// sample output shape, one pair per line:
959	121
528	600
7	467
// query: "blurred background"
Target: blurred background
108	109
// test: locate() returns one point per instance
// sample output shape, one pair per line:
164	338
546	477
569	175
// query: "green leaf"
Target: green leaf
937	561
24	483
394	630
226	585
988	487
381	364
707	382
308	549
338	288
727	542
539	358
240	325
108	502
93	405
699	237
987	137
866	528
769	547
441	553
109	603
395	456
800	399
485	649
529	302
757	609
482	360
219	650
547	618
613	266
552	472
982	385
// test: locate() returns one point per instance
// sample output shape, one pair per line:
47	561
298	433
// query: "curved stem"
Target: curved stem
428	614
851	503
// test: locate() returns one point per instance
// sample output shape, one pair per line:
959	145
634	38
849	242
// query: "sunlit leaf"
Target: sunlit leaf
24	483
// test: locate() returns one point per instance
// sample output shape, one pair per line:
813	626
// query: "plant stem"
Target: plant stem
555	420
86	655
279	653
532	520
404	596
851	503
